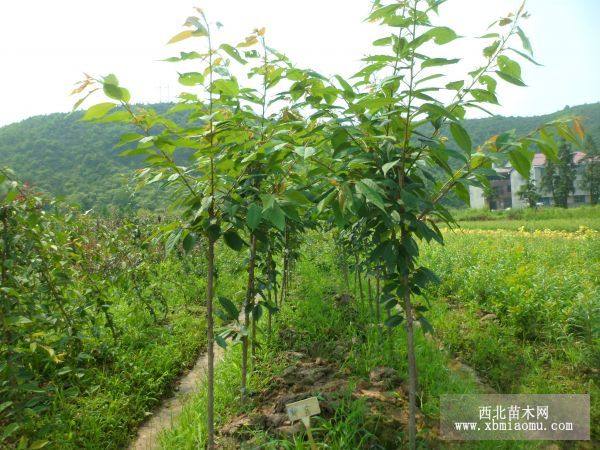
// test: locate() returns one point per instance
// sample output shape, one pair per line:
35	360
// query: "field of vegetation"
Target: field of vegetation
97	324
308	235
534	330
558	219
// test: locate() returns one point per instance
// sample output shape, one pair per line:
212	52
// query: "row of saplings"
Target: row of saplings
373	155
59	272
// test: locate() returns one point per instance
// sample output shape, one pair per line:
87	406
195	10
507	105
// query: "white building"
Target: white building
507	184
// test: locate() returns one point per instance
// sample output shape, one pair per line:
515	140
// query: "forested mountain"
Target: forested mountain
77	160
481	129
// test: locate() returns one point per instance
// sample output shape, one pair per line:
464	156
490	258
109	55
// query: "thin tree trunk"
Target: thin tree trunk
370	297
253	338
412	367
355	277
390	333
284	276
358	275
274	268
345	270
377	300
247	300
270	325
210	407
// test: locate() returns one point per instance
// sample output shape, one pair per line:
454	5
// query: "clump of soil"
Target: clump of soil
384	395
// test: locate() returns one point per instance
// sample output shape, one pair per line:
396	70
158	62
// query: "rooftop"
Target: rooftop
540	159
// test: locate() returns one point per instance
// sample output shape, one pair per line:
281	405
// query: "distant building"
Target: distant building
506	185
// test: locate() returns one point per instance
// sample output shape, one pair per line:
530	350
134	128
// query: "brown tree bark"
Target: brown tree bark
412	366
210	407
246	306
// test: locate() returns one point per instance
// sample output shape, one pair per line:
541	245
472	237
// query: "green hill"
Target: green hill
481	129
77	160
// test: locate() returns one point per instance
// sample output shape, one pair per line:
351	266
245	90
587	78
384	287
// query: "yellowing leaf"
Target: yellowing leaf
578	128
82	85
181	36
250	41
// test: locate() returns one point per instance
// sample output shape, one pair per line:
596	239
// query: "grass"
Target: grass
324	326
544	291
544	339
531	219
103	410
121	389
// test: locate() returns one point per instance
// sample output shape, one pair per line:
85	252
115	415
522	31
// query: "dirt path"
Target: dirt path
168	411
460	368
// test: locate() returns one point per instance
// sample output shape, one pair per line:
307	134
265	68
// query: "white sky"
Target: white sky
46	45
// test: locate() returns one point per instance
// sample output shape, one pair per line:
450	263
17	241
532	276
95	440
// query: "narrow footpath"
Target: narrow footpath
168	411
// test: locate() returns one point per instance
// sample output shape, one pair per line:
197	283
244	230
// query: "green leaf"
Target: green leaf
509	66
345	86
394	321
276	216
383	41
64	371
380	58
490	50
8	430
383	12
527	57
441	35
268	200
326	200
305	152
424	276
172	240
98	111
221	342
111	78
482	95
297	197
525	41
370	189
189	241
489	82
461	137
436	110
5	405
455	85
127	138
434	62
387	166
234	53
510	79
111	88
183	56
427	328
232	312
191	78
254	216
20	320
226	87
213	231
521	159
38	444
233	240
